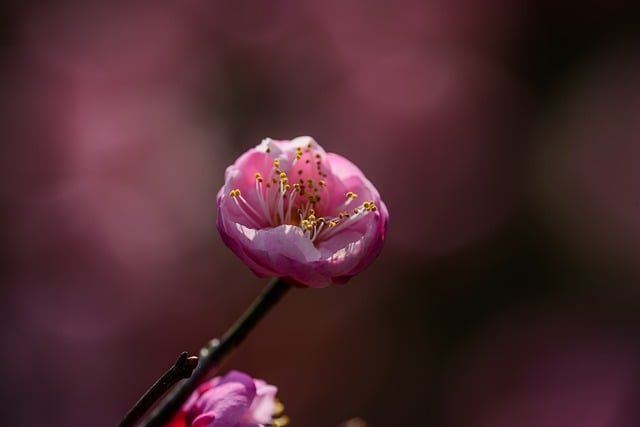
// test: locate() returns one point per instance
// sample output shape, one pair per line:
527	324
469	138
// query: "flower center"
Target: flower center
280	201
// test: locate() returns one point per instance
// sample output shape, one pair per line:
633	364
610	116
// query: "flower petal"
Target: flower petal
263	405
226	403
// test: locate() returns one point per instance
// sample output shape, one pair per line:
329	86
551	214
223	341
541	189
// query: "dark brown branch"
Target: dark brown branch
183	368
214	353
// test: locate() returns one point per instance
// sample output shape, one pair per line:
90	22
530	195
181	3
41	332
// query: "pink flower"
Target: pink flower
289	209
234	400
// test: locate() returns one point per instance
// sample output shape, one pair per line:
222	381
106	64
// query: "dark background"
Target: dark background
503	136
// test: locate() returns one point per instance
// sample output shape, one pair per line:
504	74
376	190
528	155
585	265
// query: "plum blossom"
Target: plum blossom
289	209
233	400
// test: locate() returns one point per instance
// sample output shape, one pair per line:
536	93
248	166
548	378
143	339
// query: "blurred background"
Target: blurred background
502	134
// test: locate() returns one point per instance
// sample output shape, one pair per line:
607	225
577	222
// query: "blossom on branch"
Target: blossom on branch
289	209
234	400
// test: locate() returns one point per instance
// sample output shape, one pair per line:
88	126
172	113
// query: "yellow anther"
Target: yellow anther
281	422
283	175
278	408
312	217
258	177
287	187
276	163
234	193
351	195
321	183
369	206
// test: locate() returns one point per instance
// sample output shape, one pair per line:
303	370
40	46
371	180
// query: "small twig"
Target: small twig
214	353
183	368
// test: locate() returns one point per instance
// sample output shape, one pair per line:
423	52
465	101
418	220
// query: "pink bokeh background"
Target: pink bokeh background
502	135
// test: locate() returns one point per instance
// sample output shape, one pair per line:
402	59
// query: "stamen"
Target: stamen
278	419
278	409
245	207
261	197
281	422
276	201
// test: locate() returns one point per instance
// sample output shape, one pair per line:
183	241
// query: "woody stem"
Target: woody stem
216	351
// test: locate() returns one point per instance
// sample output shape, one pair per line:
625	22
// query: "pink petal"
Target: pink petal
226	403
263	405
204	420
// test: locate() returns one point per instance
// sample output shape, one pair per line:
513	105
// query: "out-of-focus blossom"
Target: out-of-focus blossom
288	209
234	400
